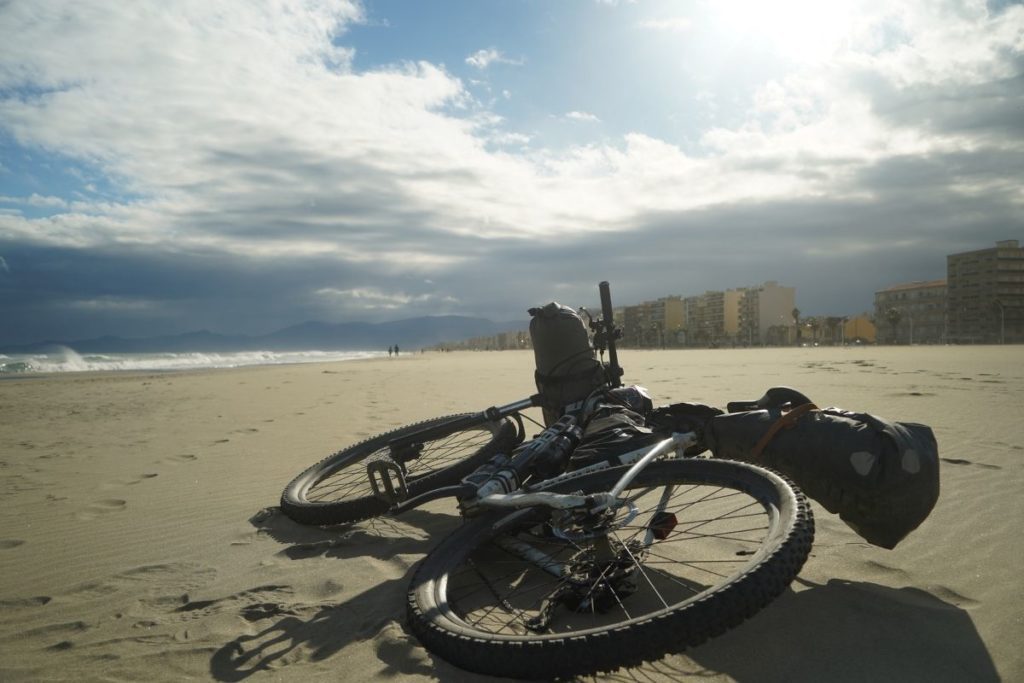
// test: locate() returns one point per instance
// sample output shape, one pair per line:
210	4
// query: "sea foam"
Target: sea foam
65	359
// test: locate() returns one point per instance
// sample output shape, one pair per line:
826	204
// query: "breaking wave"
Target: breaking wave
64	359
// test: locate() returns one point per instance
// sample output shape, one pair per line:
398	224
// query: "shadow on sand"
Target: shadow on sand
371	615
852	631
838	631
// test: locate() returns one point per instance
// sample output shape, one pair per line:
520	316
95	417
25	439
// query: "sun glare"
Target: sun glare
801	30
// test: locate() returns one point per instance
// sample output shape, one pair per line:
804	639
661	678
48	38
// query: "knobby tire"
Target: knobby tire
470	599
336	490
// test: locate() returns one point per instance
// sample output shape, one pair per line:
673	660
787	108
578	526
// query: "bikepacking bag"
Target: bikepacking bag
567	369
880	477
614	424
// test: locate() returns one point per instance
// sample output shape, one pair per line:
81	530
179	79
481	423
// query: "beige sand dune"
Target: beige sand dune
139	538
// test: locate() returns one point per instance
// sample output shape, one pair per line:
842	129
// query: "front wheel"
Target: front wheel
436	453
700	546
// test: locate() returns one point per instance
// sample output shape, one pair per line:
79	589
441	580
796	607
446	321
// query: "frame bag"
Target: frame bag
880	477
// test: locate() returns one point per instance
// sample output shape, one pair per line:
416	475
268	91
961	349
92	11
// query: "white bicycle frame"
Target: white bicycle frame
593	502
639	459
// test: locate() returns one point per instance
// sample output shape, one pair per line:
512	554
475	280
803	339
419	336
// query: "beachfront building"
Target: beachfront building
746	316
912	313
765	315
985	300
654	324
859	329
704	319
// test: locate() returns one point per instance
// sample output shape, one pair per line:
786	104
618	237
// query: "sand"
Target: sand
140	539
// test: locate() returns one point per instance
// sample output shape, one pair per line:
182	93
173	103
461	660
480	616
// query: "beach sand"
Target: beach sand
140	539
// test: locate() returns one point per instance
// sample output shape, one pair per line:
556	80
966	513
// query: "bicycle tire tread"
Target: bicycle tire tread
644	640
366	507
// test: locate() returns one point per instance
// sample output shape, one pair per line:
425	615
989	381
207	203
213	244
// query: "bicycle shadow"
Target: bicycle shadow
376	614
415	531
852	631
842	630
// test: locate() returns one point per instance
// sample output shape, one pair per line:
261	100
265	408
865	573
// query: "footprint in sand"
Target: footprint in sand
128	482
8	543
102	507
982	465
252	604
22	603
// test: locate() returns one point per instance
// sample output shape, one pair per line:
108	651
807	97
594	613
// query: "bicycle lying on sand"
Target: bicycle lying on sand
569	565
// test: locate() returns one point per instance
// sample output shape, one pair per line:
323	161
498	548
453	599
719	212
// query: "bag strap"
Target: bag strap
786	421
570	377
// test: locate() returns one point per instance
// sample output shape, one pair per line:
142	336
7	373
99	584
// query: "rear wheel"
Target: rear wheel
337	489
701	546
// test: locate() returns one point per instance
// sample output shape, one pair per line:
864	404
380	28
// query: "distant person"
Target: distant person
396	350
389	352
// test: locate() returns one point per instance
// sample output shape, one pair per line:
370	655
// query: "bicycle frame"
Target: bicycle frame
535	495
593	504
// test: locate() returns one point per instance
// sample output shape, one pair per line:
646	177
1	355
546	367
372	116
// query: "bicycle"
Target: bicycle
560	573
430	454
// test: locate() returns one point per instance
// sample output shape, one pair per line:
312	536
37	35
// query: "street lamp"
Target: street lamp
1002	322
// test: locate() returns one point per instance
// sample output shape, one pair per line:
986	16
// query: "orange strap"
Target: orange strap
783	422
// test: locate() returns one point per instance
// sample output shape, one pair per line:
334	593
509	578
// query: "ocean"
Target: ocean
64	359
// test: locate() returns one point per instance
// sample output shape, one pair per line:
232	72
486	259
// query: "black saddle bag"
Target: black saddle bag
880	477
567	367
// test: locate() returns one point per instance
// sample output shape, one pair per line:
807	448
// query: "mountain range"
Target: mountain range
411	333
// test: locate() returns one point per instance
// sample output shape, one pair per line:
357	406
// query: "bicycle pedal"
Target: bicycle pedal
387	479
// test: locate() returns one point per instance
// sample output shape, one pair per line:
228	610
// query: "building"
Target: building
859	330
653	324
704	319
985	295
767	314
912	313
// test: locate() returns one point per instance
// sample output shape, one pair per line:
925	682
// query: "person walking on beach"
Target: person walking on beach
396	350
389	352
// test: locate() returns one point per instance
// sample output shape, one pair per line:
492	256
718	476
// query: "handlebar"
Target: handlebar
610	334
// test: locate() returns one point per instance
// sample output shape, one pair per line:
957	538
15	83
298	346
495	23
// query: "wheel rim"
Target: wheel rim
718	533
348	480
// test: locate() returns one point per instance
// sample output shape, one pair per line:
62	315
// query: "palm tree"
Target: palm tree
796	324
814	325
832	322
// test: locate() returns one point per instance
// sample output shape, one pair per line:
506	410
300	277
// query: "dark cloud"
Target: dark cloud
836	253
988	105
372	196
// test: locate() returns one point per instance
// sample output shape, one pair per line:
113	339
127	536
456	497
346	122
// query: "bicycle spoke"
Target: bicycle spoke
350	480
704	544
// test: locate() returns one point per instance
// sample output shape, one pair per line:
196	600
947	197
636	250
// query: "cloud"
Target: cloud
372	299
255	168
669	24
3	265
481	59
35	200
582	116
115	304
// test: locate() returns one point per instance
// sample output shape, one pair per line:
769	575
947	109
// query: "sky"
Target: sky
242	166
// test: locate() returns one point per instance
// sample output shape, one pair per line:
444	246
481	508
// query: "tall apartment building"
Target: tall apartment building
769	308
912	313
704	319
653	324
985	295
748	316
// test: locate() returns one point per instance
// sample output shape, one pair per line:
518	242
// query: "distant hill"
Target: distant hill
412	333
